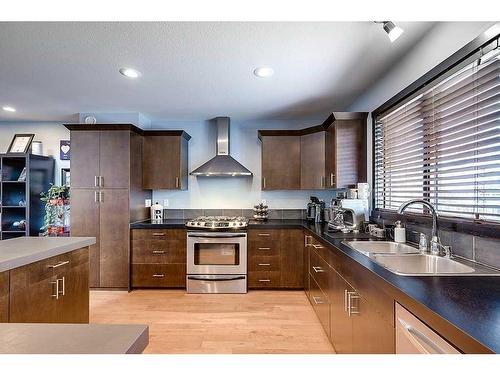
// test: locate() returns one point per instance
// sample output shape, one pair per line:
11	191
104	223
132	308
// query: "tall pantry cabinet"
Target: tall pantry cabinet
106	195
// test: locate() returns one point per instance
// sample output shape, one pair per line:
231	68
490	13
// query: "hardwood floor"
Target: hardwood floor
257	322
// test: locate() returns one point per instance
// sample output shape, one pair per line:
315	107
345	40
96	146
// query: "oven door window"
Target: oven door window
216	254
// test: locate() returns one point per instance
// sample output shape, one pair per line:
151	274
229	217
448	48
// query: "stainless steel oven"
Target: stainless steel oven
216	262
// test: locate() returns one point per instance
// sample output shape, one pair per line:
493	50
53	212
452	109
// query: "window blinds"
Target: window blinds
444	145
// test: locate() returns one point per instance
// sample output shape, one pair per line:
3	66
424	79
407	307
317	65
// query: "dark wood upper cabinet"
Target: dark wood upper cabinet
312	161
165	161
280	163
84	167
114	159
328	156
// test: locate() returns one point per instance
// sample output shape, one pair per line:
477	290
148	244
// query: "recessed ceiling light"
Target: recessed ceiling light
130	73
263	72
7	108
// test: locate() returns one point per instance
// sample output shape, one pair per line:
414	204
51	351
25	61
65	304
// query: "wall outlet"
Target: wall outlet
165	203
148	203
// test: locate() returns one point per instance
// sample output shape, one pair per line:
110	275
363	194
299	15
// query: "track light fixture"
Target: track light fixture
393	31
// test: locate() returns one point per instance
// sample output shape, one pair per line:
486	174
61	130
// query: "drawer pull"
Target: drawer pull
59	264
350	306
264	248
158	251
158	275
56	283
264	280
264	234
318	269
317	300
317	246
63	283
158	234
264	264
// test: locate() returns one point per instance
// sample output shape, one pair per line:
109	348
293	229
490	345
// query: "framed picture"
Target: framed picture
65	177
20	144
65	150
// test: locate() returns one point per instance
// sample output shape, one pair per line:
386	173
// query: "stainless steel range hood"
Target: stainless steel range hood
223	164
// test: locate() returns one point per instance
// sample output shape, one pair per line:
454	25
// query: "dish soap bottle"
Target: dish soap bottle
399	232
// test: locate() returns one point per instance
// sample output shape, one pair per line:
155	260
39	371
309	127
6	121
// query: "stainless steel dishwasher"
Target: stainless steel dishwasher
415	337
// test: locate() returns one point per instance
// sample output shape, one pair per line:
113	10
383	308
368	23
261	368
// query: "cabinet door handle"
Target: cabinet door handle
96	181
317	300
56	283
177	182
350	307
317	246
63	286
158	252
158	275
332	179
101	196
318	269
264	280
345	299
159	234
264	264
264	234
323	183
263	182
101	181
59	264
306	242
96	196
264	248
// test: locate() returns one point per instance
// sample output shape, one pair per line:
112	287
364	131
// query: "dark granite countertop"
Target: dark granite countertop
470	304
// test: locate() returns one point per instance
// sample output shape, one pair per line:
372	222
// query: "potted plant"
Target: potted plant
56	219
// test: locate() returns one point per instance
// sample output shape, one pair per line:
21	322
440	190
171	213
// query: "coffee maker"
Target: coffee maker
315	210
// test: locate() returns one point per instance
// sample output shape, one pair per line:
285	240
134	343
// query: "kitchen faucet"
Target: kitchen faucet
436	247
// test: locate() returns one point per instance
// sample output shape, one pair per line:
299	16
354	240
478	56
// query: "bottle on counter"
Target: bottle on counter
399	232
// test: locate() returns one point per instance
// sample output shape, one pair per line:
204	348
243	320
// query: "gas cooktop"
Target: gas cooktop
218	222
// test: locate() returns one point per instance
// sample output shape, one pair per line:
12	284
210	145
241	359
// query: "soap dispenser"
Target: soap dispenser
399	232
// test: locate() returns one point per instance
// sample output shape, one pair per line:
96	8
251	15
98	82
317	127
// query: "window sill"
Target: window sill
474	227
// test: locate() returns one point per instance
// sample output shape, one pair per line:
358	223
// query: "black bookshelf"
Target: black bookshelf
20	200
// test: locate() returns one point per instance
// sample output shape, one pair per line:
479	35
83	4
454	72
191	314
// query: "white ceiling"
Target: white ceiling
193	70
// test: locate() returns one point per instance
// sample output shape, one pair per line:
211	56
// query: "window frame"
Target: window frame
466	54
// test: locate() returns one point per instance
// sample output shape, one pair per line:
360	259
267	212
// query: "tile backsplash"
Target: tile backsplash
280	214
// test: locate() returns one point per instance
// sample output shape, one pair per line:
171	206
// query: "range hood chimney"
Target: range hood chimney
223	164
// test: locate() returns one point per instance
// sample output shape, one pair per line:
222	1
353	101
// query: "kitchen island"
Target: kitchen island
44	280
73	338
18	252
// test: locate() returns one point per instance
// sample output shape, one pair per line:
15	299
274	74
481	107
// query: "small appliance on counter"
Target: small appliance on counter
261	211
348	215
315	210
156	213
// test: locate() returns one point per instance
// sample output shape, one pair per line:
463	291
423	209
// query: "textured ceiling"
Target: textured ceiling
193	70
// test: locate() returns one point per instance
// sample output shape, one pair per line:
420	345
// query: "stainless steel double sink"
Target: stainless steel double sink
406	260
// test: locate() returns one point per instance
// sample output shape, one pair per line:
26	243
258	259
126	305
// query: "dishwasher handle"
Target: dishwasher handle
420	339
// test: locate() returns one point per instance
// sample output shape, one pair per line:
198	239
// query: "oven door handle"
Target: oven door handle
218	235
230	278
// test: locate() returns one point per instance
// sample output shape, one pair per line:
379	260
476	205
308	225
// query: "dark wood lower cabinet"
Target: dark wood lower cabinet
341	327
158	258
54	290
275	259
4	297
158	275
353	324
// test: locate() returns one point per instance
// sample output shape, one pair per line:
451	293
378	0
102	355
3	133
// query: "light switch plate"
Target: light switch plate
148	203
165	203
